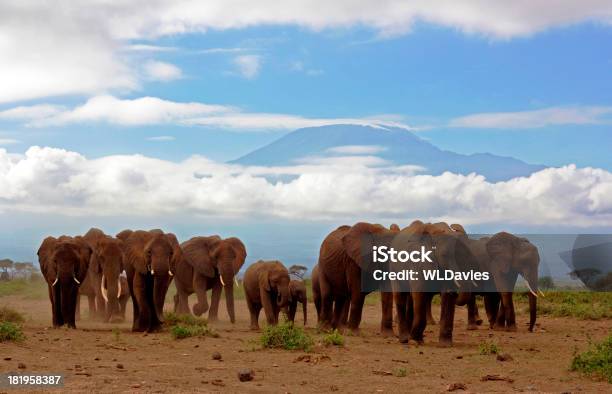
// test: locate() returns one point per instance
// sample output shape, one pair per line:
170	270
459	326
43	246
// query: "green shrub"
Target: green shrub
333	338
583	305
10	331
10	315
488	348
185	326
596	361
286	336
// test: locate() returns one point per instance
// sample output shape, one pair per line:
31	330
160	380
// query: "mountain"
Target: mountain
396	145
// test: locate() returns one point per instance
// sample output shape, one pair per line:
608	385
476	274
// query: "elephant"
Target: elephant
64	262
340	269
298	292
150	266
208	263
102	285
124	235
266	284
511	256
412	298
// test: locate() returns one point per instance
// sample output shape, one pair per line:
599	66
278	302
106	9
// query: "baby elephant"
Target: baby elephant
266	284
297	289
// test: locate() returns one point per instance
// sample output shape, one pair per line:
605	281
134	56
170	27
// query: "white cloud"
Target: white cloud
78	47
31	112
140	111
161	138
162	71
553	116
8	141
153	110
357	149
48	180
248	65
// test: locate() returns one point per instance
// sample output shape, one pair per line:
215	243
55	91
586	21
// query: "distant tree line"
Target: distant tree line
10	269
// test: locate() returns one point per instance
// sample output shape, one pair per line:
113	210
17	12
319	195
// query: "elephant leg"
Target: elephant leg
401	305
213	312
200	287
500	323
509	311
340	315
69	299
122	304
275	312
141	323
357	300
292	309
386	322
419	315
472	313
56	307
327	305
491	301
135	309
447	317
267	302
91	301
254	309
430	318
316	297
305	309
77	312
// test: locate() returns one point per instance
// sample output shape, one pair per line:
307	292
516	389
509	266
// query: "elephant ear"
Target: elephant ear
44	252
197	253
458	228
358	241
85	252
395	228
177	253
501	249
239	251
264	280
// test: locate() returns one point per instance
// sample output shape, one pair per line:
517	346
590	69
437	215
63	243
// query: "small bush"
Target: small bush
333	338
186	326
286	336
400	372
596	361
487	349
10	315
10	331
583	305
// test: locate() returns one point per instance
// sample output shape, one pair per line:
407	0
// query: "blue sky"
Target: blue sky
424	78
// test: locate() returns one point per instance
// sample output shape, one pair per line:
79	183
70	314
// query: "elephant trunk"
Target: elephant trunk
160	288
464	298
229	301
68	298
533	307
112	298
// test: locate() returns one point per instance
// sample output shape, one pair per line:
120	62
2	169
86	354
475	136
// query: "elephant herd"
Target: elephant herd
93	265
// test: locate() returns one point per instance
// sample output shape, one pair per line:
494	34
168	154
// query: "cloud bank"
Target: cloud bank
152	110
48	180
79	48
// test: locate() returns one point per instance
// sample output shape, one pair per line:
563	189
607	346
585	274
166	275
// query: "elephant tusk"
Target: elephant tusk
170	273
236	281
54	282
119	285
222	282
540	292
76	280
152	272
531	290
103	290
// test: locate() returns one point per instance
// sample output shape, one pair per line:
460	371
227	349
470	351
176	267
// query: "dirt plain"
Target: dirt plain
100	357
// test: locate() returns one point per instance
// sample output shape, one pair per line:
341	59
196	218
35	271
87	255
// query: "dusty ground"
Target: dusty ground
89	358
